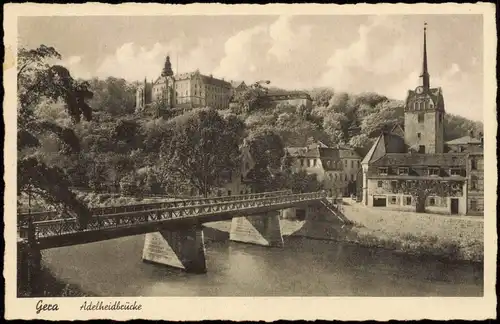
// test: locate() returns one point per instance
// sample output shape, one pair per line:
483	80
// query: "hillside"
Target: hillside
119	144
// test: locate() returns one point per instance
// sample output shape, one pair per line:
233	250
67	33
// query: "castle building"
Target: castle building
275	96
183	91
335	167
413	166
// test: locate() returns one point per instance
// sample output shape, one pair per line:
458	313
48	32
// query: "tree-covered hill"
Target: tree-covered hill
122	149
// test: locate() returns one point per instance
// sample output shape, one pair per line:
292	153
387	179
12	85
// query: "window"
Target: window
421	118
432	201
314	162
345	163
421	149
379	184
403	171
382	171
473	205
345	178
352	164
473	184
419	136
352	177
309	163
455	172
407	200
473	164
433	171
302	162
393	200
394	185
335	177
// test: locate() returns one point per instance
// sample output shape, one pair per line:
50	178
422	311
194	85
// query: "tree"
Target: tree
39	81
113	96
302	182
267	149
389	115
203	147
421	189
251	99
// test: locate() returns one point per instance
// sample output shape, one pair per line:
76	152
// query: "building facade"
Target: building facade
184	91
335	167
276	96
415	167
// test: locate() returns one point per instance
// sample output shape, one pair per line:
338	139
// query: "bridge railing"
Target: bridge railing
57	227
49	215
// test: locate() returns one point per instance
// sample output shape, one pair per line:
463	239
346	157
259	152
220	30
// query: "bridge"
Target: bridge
173	229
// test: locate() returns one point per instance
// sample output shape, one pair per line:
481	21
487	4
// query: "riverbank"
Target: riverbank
450	238
54	287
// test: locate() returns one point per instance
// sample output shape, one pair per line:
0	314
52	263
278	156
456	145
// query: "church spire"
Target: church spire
167	68
425	73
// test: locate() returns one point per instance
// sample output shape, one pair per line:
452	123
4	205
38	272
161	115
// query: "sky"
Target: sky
352	53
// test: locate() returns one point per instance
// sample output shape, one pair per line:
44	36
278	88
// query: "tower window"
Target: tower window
421	118
473	164
419	135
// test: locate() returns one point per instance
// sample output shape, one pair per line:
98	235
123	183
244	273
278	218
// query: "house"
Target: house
405	166
335	167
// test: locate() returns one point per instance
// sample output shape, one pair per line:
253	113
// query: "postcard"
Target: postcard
250	162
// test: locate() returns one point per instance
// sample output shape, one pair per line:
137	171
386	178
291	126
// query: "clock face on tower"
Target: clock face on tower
419	90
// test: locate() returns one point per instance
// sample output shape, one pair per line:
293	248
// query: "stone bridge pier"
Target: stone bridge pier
263	229
182	248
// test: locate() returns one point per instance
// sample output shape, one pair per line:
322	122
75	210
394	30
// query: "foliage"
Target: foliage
40	82
268	151
421	189
113	96
251	99
301	182
203	146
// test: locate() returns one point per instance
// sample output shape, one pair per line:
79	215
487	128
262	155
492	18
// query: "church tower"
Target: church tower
168	74
424	113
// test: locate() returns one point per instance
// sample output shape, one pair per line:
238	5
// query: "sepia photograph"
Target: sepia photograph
280	154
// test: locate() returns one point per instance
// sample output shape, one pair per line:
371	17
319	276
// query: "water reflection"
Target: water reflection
302	268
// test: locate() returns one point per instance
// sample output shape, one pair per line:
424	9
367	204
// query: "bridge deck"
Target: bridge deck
65	231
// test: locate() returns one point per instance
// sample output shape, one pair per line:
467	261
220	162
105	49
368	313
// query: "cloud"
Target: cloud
377	52
285	40
134	63
241	52
268	51
76	66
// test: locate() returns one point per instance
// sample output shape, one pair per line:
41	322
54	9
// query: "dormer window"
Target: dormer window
455	172
403	171
382	171
433	171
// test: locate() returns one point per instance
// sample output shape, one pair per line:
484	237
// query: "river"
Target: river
303	267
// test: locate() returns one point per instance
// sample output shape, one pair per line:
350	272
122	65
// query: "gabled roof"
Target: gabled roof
464	140
385	143
398	130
